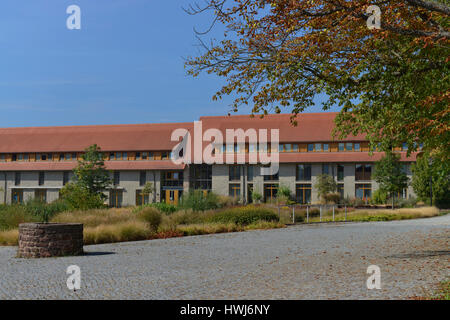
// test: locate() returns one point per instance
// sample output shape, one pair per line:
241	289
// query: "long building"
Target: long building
36	162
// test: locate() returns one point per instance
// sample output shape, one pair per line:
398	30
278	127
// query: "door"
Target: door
172	196
17	196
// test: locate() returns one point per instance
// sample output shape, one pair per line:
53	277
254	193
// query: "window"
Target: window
310	147
272	177
325	168
340	190
40	195
234	173
250	173
115	198
2	157
270	192
235	190
74	156
38	157
20	157
357	147
348	146
141	198
341	146
116	178
303	193
303	172
363	172
26	157
363	191
142	178
65	177
68	156
200	177
295	147
288	147
44	157
318	147
14	157
404	146
118	155
61	157
326	147
17	196
340	172
41	178
17	178
144	156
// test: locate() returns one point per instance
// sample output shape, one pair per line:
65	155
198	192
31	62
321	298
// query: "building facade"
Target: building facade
38	162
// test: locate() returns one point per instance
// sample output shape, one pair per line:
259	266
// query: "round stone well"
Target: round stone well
42	240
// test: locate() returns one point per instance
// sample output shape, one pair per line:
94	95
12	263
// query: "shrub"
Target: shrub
198	201
43	211
152	217
78	198
244	215
333	197
226	201
379	197
166	208
256	196
284	191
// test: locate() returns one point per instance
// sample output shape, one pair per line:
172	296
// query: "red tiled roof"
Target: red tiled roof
311	127
110	165
134	137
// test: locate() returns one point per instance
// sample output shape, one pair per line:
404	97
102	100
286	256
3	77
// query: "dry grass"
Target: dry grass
9	237
97	217
381	214
118	232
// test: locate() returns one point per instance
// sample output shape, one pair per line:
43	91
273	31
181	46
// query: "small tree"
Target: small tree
148	189
91	174
390	175
325	184
439	173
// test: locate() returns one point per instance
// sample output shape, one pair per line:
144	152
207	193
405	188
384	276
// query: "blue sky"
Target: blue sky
125	65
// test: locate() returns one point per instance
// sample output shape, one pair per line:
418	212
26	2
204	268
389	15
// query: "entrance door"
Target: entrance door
17	196
172	196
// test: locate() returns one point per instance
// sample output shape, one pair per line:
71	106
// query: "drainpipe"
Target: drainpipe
4	191
154	186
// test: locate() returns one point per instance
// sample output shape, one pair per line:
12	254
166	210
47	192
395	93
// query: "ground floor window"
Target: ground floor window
115	198
270	192
234	190
303	193
141	198
250	193
363	191
40	195
17	196
340	190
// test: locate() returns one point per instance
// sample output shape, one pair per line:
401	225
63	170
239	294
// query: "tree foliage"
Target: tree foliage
390	174
91	174
439	172
325	185
392	83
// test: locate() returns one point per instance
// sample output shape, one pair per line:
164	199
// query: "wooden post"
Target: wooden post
293	214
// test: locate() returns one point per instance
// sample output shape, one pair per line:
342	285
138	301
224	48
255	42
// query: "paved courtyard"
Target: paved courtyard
327	261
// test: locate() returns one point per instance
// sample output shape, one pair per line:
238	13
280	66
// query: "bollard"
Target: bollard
293	214
307	214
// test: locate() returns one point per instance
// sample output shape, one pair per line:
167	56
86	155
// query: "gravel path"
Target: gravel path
327	261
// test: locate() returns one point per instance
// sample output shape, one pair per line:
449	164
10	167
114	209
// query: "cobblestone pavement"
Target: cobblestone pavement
327	261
